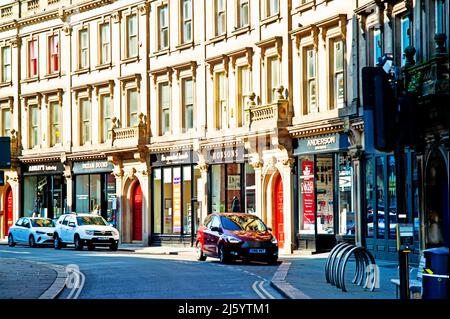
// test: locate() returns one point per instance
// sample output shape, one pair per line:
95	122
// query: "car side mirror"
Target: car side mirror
217	229
72	224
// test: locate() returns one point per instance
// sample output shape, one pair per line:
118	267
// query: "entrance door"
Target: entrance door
9	210
278	223
137	213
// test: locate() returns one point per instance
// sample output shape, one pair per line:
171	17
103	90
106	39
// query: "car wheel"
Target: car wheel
77	242
113	247
31	241
57	242
199	250
223	256
11	242
91	247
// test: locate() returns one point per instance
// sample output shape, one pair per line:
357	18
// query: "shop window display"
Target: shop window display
346	213
325	191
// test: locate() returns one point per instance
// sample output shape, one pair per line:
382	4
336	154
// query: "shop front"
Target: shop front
44	190
231	181
175	205
324	192
94	188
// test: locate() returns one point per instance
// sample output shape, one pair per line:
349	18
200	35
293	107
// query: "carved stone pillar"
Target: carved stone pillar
288	205
203	190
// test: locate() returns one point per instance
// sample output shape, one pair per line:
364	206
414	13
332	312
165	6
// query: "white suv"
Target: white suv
84	230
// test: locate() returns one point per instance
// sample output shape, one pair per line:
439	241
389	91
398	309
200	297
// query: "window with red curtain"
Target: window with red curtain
33	61
54	54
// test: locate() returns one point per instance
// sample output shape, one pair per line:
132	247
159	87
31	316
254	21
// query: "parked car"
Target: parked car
85	230
33	231
231	236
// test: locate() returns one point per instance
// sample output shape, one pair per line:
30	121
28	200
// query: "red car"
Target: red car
230	236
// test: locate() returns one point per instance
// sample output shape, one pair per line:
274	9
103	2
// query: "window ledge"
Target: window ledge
130	60
184	46
217	38
271	19
82	71
304	7
241	30
160	52
29	80
52	75
5	84
104	66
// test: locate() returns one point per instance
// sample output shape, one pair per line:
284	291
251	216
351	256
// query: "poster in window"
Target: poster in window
307	191
177	204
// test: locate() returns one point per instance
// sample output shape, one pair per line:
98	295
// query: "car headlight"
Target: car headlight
89	232
40	232
274	240
233	240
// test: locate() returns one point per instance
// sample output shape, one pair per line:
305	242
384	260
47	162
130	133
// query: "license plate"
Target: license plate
257	251
103	238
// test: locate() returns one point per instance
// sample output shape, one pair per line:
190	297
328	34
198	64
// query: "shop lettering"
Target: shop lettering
42	168
321	143
94	165
220	155
175	157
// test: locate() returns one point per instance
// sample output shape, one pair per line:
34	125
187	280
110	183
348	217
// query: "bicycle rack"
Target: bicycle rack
365	273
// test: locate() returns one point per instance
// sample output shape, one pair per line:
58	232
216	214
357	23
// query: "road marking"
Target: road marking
261	286
255	289
75	292
15	252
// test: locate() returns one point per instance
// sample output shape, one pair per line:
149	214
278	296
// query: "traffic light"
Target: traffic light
379	102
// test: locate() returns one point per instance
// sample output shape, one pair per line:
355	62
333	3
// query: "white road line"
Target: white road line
77	290
261	286
15	252
255	289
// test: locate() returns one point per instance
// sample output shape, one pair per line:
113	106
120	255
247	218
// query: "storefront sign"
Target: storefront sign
44	169
307	190
92	167
225	155
320	144
172	158
177	204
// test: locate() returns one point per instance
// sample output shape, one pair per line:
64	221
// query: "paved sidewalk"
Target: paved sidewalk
157	250
21	279
304	278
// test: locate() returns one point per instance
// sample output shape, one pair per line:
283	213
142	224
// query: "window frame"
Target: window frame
164	5
128	36
217	14
183	104
3	65
30	75
219	116
50	54
80	49
51	103
103	120
31	126
241	96
268	8
239	16
333	74
183	22
161	108
83	141
101	43
129	114
3	110
307	81
271	96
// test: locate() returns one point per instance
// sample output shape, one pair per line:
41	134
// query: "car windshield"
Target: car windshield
42	223
91	220
243	222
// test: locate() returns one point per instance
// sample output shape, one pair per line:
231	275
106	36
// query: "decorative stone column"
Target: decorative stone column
257	166
203	198
118	174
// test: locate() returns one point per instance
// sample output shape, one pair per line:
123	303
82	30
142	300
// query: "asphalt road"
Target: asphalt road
128	275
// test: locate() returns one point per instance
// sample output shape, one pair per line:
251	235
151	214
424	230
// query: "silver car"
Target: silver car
33	231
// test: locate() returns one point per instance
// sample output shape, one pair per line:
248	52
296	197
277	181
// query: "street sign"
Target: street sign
405	237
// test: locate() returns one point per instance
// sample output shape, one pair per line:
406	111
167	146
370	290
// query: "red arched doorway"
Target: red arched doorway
137	212
8	209
278	223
